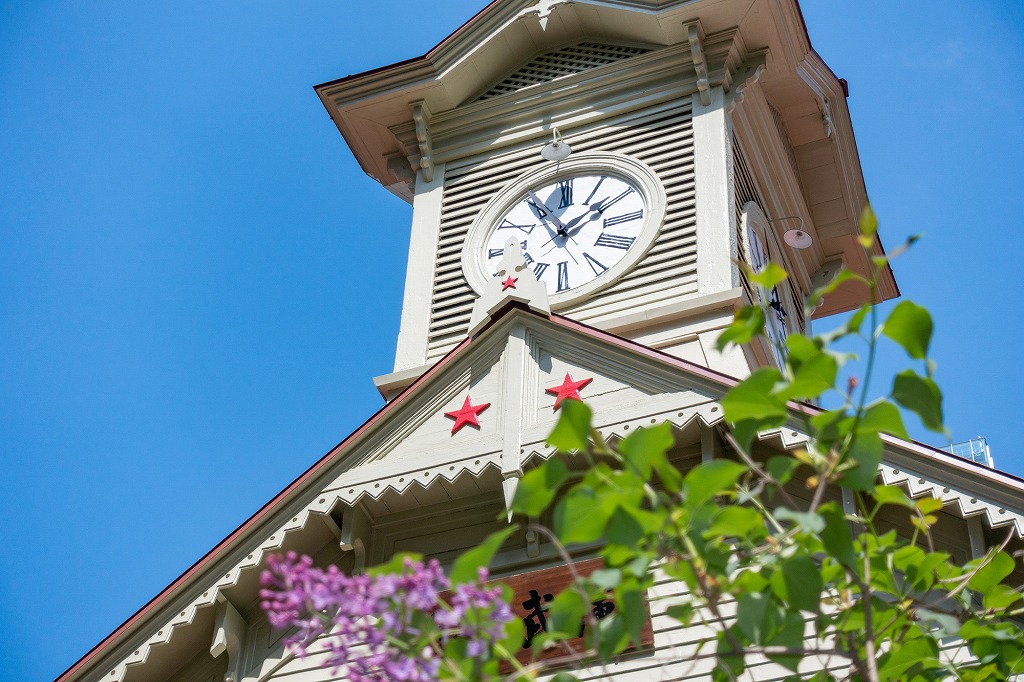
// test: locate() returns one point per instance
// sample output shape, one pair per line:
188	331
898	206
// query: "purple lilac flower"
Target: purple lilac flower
359	618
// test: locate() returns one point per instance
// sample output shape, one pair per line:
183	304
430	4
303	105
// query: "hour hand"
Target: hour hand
547	212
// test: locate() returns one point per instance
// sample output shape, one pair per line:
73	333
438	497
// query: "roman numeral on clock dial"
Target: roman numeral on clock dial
617	199
565	193
595	264
539	268
596	187
614	241
507	224
624	218
563	276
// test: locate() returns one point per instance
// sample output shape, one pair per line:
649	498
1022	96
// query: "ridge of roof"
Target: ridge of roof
426	56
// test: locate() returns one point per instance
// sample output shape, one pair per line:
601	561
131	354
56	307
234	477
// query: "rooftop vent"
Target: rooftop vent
563	62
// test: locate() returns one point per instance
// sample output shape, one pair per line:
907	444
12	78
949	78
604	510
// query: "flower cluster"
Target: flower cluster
384	627
476	613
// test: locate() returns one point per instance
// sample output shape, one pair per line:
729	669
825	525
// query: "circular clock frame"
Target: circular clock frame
632	171
753	219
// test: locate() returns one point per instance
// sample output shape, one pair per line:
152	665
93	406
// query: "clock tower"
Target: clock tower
588	180
701	135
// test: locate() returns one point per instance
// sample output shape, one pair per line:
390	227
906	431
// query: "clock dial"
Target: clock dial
571	230
776	326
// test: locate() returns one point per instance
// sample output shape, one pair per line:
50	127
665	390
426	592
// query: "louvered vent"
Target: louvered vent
746	190
563	62
668	271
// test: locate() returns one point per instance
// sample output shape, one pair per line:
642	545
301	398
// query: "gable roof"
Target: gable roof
658	382
497	40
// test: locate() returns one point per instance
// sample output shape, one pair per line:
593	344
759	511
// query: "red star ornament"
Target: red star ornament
568	389
466	414
509	283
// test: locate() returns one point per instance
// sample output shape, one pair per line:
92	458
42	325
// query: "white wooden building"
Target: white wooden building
702	132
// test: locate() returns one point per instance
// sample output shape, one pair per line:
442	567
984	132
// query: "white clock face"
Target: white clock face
571	230
776	326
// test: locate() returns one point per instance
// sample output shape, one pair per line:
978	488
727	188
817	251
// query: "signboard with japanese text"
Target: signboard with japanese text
534	590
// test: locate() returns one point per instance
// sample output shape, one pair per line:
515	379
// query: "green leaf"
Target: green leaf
606	578
942	624
737	522
868	222
565	614
831	426
752	399
539	486
394	565
572	432
1001	597
910	325
640	565
798	583
466	566
624	529
581	516
814	371
836	537
731	663
992	573
890	494
455	651
857	319
883	417
841	278
782	468
808	522
904	656
630	602
564	677
747	323
758	617
928	505
745	431
515	635
669	475
613	637
866	453
920	395
707	480
769	276
646	447
681	612
791	636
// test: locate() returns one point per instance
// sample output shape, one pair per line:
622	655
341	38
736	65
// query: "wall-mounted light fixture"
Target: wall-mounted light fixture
797	238
556	150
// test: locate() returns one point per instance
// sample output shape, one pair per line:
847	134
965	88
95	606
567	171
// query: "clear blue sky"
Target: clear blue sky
197	282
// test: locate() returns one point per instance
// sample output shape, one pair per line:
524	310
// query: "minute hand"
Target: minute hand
595	211
548	213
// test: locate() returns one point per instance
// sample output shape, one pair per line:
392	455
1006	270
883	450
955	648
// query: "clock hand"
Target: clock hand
553	233
548	213
596	209
564	247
